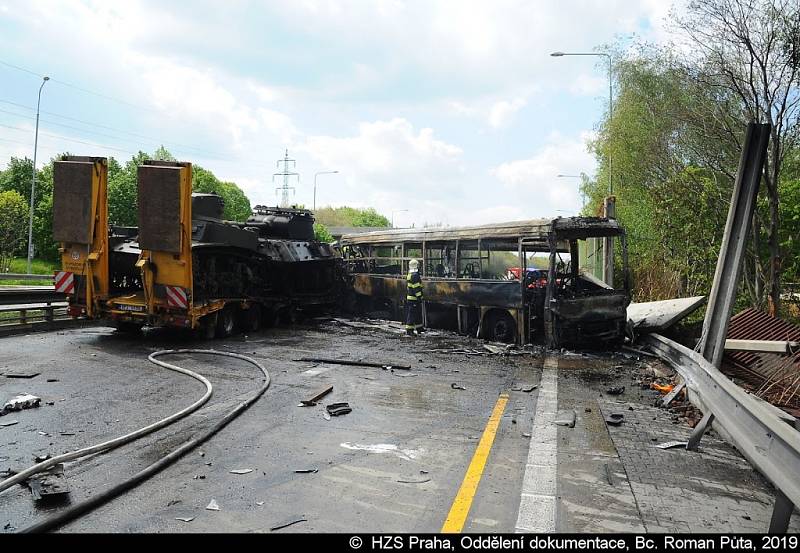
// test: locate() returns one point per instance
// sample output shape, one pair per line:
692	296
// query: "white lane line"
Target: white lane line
537	504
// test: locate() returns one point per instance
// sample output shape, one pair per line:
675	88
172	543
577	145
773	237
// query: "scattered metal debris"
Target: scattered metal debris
526	389
406	375
616	390
259	503
326	416
9	423
185	519
21	375
336	409
456	386
48	483
288	522
53	380
670	445
609	476
566	417
355	363
306	471
19	402
615	419
526	434
241	471
316	397
199	477
41	458
415	481
212	506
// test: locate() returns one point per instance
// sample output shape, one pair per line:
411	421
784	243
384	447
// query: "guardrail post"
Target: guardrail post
781	513
699	430
23	316
48	313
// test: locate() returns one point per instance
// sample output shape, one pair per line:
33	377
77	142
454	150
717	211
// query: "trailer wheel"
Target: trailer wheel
502	327
208	326
251	318
226	322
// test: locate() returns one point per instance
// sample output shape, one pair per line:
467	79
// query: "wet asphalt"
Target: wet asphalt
394	464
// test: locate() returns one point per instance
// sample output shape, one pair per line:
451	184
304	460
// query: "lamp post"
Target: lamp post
315	184
583	178
608	204
33	180
397	211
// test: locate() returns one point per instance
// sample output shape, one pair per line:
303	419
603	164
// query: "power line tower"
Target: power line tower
286	174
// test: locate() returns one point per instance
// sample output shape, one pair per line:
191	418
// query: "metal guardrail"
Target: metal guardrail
30	294
22	276
771	445
32	313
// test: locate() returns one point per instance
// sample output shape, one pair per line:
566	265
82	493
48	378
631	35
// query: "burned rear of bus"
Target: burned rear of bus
521	281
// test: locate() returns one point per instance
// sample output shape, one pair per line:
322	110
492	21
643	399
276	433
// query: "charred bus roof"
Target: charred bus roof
564	227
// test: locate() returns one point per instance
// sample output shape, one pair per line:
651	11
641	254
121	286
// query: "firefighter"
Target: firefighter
413	299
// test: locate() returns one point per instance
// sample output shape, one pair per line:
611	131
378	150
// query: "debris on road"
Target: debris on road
53	380
670	445
288	522
21	375
310	402
415	481
616	390
212	506
615	419
326	416
336	409
48	483
185	519
566	417
306	471
241	471
526	389
456	386
355	363
19	402
9	423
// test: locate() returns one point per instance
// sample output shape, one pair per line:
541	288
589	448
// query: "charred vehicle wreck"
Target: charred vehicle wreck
521	281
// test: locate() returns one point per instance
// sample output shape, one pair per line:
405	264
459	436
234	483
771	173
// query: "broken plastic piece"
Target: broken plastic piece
22	401
616	390
288	522
336	409
241	471
306	471
670	445
615	419
457	386
212	506
185	519
566	418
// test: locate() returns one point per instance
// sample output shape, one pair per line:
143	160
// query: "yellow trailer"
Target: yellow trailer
80	224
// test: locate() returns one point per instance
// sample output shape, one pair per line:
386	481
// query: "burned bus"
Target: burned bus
508	282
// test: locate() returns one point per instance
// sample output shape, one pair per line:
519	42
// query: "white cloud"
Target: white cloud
537	176
589	85
502	112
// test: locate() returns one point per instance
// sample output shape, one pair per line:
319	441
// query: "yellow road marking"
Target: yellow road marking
463	501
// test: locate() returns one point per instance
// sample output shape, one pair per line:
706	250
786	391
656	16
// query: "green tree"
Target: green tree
350	217
237	206
322	233
13	226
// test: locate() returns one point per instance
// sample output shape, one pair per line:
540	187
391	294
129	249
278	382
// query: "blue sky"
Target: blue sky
453	110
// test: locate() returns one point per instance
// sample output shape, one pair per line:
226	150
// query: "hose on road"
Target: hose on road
80	508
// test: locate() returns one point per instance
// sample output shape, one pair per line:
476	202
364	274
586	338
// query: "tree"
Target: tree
13	226
237	206
748	52
322	234
350	217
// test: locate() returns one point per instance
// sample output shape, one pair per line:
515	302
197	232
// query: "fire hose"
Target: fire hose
101	498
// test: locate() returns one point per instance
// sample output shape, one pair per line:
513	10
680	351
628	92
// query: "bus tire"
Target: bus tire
226	322
502	327
208	327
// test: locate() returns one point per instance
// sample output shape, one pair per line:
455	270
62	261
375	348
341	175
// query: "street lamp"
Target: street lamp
315	184
610	103
397	211
583	178
33	181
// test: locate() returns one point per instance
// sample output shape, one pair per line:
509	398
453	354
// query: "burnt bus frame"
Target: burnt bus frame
486	297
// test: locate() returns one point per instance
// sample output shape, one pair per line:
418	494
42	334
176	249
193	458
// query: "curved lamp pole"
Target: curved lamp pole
33	180
315	184
583	178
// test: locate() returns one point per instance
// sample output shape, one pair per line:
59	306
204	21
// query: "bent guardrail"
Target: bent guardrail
767	442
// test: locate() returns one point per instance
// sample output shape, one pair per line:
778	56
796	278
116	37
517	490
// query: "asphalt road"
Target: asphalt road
395	463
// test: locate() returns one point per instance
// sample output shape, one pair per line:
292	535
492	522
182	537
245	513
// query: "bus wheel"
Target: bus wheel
252	318
502	327
226	322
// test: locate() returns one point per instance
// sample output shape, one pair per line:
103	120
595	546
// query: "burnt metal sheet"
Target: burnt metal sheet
470	293
72	201
159	208
660	315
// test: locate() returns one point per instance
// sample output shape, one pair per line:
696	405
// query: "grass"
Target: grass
38	267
